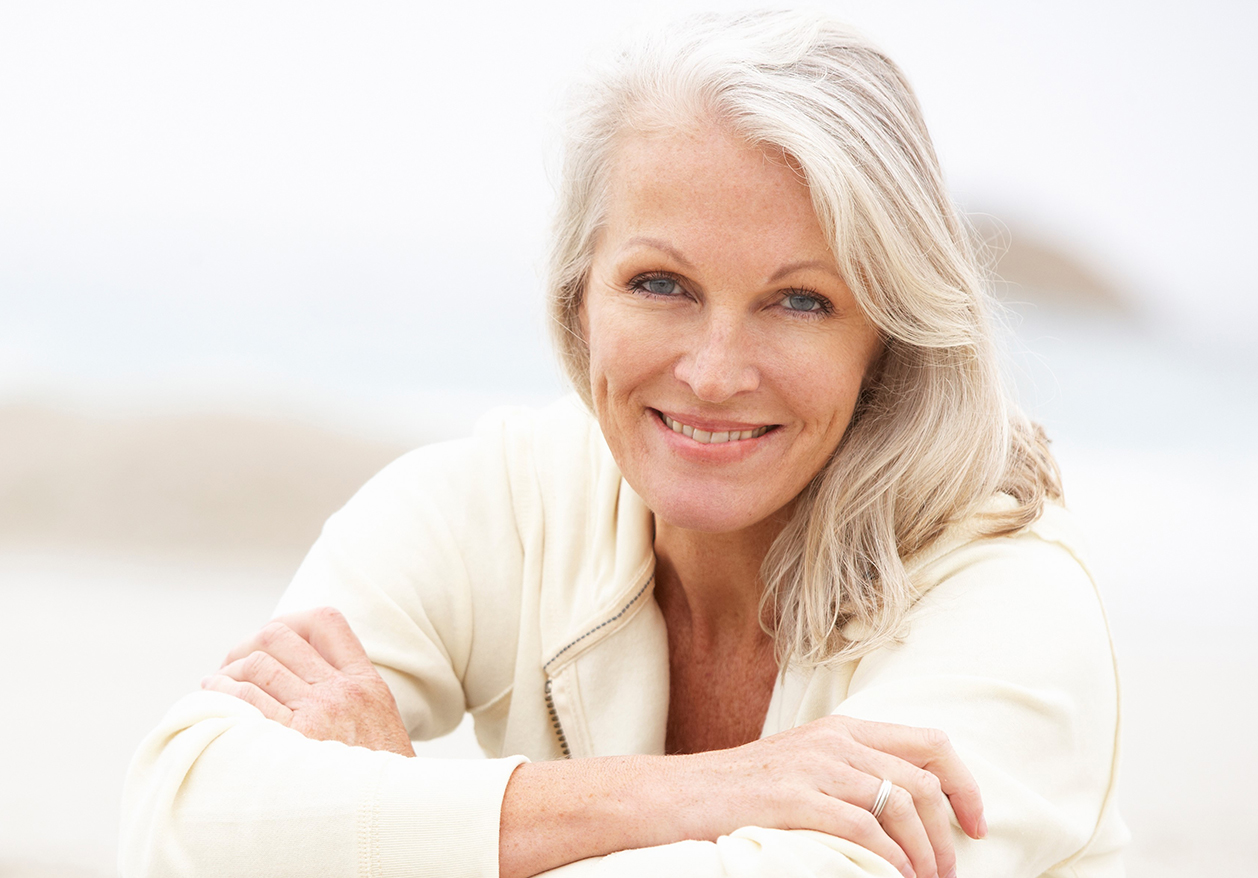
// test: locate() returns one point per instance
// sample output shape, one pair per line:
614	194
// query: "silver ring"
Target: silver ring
880	800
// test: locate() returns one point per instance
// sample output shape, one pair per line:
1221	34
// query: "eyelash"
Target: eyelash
638	283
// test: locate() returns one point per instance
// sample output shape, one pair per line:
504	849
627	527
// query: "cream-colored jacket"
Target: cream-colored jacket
510	575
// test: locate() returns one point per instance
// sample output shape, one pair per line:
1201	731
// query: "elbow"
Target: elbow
150	837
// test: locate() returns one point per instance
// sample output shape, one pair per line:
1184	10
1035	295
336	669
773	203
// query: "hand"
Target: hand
309	672
825	775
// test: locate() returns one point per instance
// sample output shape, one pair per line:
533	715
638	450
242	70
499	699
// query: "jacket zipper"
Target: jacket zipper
554	722
550	698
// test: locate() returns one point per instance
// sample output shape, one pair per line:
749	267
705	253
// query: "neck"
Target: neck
712	581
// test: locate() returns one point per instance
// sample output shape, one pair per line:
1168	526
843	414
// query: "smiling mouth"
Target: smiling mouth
707	438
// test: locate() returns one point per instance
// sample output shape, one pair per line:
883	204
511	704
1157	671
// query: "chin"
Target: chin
707	512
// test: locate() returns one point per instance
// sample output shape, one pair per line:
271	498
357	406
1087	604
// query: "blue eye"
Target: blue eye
660	286
802	302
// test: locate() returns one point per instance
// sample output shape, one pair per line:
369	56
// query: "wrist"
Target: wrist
560	812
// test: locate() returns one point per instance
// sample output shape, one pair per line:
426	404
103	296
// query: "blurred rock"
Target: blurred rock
1032	269
210	484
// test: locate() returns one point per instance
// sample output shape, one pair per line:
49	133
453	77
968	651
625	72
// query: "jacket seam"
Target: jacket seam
552	710
633	600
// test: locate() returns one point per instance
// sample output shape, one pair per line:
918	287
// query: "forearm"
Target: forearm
668	810
623	817
555	813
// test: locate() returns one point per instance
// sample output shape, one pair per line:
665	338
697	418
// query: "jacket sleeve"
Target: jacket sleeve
218	790
1008	654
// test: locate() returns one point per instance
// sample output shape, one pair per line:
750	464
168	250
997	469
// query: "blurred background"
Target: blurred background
250	252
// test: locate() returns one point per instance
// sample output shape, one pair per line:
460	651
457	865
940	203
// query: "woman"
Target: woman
736	618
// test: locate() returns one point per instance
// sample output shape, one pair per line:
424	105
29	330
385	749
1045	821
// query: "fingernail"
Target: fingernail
982	827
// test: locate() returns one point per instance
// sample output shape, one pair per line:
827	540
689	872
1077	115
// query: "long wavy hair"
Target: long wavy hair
934	436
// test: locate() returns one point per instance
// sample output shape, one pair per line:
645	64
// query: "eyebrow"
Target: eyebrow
657	244
814	264
784	271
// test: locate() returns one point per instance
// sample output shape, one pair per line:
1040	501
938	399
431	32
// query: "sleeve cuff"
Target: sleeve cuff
435	817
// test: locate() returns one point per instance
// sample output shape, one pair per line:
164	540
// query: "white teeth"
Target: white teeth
711	438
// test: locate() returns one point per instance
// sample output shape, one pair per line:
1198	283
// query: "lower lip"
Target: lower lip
711	452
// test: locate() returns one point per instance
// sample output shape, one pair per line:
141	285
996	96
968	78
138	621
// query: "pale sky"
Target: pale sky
298	198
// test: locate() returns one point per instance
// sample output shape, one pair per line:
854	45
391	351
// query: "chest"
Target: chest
718	696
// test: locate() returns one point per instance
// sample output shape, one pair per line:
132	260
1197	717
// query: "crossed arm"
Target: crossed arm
309	672
218	785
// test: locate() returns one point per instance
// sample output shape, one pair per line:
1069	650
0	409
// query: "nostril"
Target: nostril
715	375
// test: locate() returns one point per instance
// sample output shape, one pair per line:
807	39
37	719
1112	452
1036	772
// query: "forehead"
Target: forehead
703	182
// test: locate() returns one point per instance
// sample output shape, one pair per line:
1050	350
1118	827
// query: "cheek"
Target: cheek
822	380
626	351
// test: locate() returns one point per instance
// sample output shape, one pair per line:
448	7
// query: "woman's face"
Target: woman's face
726	352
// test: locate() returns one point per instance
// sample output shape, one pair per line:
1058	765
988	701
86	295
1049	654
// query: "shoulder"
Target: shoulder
557	451
535	484
1023	608
1040	572
433	513
512	451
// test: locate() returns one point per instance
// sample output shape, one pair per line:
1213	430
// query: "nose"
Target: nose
717	363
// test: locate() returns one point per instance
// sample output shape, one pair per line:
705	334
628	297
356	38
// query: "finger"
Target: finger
900	820
845	820
927	796
328	632
270	675
289	647
250	693
931	750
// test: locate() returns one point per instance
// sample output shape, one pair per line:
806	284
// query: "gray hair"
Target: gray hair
934	436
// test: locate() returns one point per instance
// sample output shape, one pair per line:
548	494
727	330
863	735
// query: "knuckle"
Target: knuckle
271	633
900	805
256	664
329	615
842	725
926	785
837	732
936	739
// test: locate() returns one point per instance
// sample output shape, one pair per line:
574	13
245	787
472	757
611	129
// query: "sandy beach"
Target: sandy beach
114	606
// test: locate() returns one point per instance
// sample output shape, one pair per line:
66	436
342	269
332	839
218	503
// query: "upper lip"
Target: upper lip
713	425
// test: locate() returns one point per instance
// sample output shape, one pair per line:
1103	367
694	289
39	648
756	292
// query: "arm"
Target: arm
982	654
987	646
310	673
823	776
1009	654
217	789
